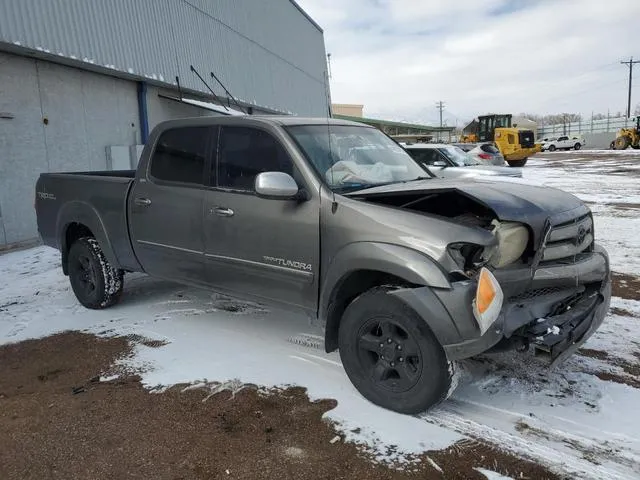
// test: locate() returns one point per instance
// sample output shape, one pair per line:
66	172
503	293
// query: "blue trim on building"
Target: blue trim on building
143	112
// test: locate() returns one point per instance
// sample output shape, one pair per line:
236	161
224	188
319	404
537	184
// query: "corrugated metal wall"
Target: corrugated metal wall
265	52
84	113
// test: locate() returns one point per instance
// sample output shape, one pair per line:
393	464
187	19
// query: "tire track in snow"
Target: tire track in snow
447	417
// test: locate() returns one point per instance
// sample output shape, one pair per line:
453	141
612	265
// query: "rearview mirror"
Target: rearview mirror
276	185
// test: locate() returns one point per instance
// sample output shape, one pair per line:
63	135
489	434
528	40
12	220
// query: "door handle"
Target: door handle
222	211
142	202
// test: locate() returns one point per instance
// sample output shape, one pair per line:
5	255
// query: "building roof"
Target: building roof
389	123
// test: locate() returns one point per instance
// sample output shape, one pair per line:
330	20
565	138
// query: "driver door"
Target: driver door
255	247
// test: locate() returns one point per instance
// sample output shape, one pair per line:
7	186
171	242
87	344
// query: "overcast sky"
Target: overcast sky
399	57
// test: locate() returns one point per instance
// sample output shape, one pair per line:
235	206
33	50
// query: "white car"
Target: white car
449	161
565	142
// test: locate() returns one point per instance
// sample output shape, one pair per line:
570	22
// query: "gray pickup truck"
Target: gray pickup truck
332	218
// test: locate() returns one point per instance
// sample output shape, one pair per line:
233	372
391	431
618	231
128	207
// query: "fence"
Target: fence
605	125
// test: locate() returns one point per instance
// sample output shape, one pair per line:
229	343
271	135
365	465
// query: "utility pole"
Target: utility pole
440	107
630	64
329	64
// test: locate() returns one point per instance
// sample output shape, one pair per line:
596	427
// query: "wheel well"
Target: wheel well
73	232
345	291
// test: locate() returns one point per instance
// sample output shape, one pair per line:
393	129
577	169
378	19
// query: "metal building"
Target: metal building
83	81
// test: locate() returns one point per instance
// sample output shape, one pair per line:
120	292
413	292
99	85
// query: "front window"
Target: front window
350	158
459	156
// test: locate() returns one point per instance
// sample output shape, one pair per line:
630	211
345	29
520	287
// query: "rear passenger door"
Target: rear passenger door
166	205
256	247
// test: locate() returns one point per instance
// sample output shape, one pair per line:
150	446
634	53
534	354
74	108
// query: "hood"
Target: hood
510	199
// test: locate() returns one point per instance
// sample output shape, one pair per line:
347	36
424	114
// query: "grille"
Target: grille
535	293
568	240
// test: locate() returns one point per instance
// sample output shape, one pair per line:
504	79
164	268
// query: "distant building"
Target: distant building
347	109
402	130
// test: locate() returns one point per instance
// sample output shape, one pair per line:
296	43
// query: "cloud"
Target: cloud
398	57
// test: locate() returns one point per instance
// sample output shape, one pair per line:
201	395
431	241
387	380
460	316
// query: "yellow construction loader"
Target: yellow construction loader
515	144
628	137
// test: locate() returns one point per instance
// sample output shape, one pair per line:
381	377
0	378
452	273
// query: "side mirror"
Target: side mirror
276	186
439	163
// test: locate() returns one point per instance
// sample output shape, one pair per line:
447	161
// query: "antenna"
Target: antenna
207	85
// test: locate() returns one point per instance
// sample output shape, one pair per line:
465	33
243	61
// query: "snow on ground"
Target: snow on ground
568	418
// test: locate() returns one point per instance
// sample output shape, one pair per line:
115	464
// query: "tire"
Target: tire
517	163
552	148
612	145
577	146
94	281
410	373
621	143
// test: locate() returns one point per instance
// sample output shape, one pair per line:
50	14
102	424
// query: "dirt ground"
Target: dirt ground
625	286
57	420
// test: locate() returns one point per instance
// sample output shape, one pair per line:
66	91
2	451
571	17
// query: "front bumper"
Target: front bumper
561	308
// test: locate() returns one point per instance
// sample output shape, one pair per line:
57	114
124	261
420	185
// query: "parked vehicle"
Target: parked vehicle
487	153
564	142
449	161
465	147
408	274
515	144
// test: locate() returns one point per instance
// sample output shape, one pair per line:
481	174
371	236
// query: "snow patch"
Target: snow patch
491	475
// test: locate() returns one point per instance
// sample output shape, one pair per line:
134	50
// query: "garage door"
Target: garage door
22	147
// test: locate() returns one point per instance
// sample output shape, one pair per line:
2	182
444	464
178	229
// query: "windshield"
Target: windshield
459	156
352	157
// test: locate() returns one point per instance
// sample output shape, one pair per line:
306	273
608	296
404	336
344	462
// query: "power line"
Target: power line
630	64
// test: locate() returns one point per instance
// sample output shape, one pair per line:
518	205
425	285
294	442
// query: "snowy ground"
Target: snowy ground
575	419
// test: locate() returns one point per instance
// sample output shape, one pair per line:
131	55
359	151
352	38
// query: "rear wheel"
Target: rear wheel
622	142
94	281
390	354
577	146
517	163
552	148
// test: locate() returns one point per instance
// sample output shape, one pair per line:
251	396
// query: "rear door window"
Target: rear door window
180	155
488	148
425	156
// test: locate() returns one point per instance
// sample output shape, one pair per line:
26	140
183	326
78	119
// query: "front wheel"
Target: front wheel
94	281
552	148
577	146
621	143
517	163
390	354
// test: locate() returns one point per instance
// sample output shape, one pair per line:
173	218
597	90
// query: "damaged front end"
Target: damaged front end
568	292
553	281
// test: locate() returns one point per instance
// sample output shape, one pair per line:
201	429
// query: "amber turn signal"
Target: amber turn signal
486	291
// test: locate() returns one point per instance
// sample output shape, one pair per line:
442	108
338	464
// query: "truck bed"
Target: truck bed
96	199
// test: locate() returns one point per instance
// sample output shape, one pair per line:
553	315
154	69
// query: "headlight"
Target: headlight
512	242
